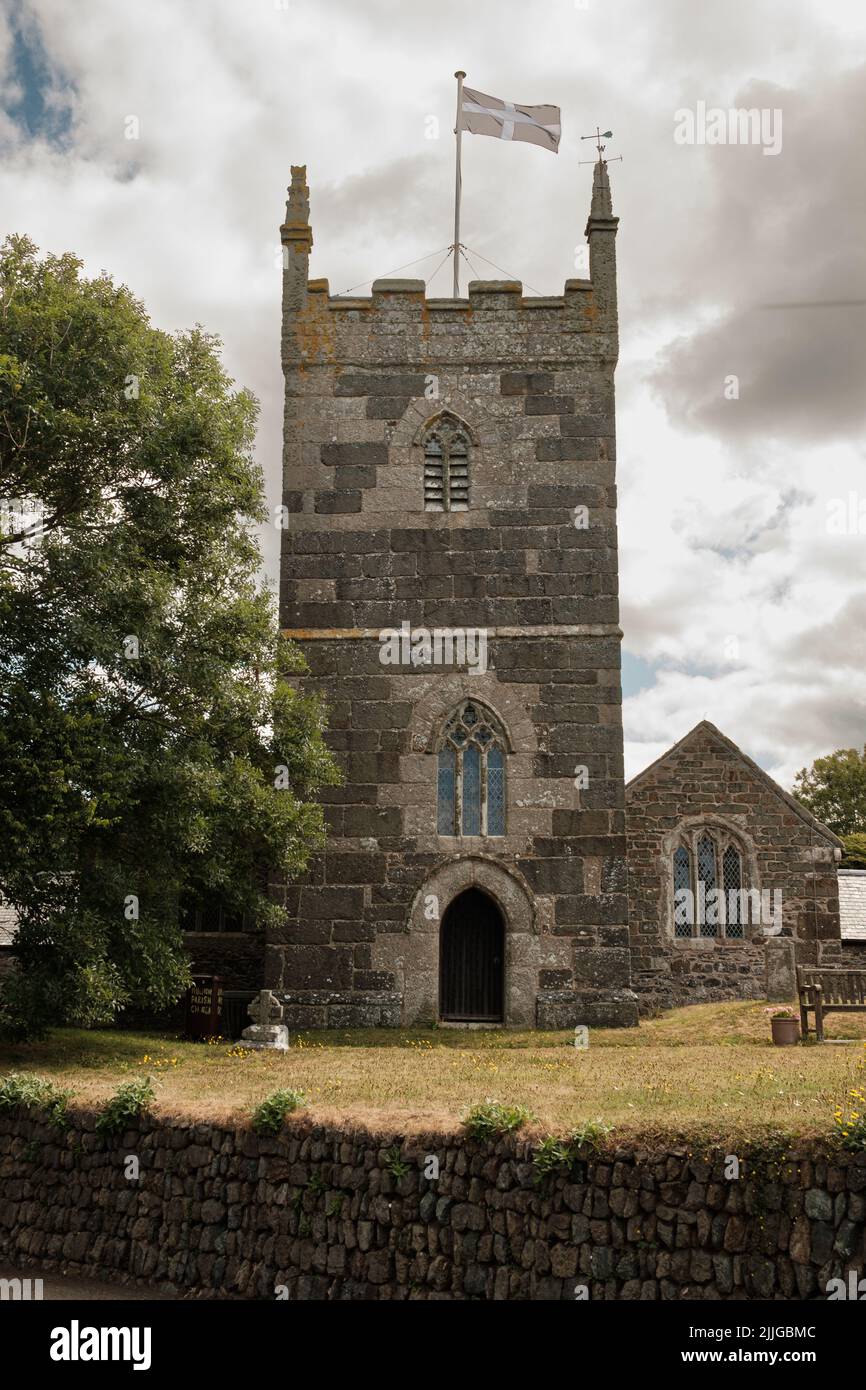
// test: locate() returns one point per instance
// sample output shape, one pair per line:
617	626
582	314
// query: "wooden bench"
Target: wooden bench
828	992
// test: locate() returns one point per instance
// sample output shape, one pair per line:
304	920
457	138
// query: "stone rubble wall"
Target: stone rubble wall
322	1214
706	780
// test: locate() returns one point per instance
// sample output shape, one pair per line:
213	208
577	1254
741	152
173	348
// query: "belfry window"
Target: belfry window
707	879
471	774
446	467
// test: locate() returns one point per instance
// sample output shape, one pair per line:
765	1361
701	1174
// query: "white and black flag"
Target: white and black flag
509	120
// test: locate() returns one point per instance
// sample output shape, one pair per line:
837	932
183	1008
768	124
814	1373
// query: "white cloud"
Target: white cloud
723	515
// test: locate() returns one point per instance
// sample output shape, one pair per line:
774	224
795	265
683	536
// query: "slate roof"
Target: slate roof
852	904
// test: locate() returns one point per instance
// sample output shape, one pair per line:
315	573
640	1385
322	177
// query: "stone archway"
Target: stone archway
415	958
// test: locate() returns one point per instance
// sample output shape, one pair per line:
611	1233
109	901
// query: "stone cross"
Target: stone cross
265	1008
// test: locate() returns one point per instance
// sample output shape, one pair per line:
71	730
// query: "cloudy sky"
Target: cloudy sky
743	558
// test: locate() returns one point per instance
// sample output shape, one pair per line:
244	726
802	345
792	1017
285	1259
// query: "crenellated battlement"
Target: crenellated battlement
508	293
496	321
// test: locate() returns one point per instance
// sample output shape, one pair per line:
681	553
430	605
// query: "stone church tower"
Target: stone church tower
449	568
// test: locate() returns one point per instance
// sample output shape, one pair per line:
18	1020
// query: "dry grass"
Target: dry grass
709	1071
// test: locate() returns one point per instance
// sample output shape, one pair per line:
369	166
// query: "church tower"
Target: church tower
449	568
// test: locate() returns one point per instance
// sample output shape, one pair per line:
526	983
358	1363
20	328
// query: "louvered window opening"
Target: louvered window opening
446	471
708	861
471	774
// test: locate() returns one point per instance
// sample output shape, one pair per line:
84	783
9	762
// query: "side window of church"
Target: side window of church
209	914
446	468
707	874
471	774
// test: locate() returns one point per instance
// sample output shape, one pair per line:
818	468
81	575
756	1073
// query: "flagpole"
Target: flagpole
457	133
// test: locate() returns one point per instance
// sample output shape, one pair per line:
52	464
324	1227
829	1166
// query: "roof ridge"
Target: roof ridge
705	725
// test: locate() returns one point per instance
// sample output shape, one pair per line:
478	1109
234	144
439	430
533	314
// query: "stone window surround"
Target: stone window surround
422	416
431	708
433	414
687	832
419	955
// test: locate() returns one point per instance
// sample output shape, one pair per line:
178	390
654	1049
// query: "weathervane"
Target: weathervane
598	136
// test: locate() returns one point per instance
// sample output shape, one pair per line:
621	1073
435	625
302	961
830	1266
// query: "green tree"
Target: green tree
855	851
834	789
152	742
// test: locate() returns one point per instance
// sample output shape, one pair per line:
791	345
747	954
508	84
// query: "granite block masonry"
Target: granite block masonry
450	464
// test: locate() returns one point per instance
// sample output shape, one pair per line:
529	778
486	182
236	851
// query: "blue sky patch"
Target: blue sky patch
36	109
637	675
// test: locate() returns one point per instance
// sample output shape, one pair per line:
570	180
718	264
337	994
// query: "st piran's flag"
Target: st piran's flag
509	120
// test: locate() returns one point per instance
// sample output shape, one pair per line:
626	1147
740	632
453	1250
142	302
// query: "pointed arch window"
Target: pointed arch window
707	877
471	773
446	466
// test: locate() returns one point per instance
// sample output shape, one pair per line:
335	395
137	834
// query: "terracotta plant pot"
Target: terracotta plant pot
786	1031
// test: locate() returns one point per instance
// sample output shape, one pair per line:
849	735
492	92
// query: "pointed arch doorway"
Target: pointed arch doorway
472	960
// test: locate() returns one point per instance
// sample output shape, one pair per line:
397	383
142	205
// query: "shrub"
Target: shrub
553	1153
395	1163
32	1092
125	1106
590	1135
491	1118
269	1115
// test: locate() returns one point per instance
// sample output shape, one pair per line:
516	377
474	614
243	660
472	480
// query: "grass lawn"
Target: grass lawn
707	1071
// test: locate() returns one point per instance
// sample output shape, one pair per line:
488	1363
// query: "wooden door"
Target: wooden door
471	960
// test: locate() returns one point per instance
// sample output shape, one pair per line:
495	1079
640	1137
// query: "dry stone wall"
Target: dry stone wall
320	1213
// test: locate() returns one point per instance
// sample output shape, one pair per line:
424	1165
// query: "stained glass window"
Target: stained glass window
472	790
471	774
